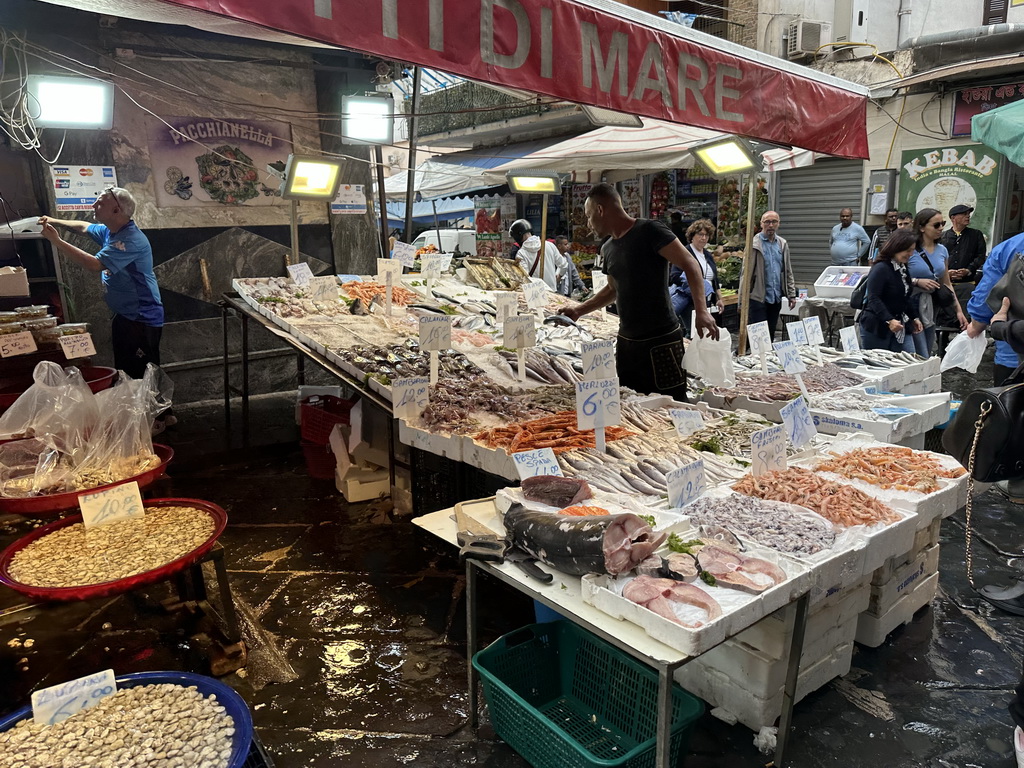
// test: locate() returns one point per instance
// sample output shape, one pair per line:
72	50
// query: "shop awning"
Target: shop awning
1002	129
599	53
786	159
423	213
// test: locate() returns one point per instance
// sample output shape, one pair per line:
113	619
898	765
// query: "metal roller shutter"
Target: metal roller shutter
808	201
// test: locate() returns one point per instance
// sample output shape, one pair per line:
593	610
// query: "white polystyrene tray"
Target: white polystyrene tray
665	520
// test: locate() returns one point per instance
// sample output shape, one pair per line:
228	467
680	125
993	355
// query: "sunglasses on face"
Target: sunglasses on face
939	224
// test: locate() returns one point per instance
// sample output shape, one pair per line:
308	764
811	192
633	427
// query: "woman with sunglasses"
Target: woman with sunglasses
927	269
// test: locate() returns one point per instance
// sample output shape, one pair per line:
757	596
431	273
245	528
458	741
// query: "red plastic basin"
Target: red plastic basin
44	506
106	589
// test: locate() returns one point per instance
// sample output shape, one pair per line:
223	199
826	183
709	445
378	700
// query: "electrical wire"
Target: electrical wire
16	120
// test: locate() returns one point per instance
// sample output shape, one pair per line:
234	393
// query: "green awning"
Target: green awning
1002	129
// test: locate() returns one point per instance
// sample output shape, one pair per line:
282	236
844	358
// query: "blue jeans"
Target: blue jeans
920	343
884	340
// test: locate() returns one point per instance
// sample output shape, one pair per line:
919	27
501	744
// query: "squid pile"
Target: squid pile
782	386
891	466
770	523
843	505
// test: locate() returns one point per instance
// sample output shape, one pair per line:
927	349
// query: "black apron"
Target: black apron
653	365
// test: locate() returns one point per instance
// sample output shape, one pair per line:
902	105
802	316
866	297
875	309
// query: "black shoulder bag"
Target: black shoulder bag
941	296
859	293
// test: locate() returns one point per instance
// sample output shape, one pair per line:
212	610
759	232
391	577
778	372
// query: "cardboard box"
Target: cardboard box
13	281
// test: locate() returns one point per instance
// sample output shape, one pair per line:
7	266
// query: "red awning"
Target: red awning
602	53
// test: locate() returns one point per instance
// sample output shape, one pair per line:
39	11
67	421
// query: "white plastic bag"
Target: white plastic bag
964	352
711	360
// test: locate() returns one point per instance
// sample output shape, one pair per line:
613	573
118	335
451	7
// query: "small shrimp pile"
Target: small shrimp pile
893	467
475	338
844	505
581	511
367	291
558	432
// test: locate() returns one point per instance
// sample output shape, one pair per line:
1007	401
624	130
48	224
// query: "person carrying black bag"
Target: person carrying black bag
888	312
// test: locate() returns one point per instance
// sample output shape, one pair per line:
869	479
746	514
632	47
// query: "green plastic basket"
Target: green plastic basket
563	698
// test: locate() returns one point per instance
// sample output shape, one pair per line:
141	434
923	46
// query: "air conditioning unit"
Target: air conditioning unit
805	37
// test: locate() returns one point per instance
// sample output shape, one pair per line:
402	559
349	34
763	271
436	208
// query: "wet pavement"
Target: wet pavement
368	612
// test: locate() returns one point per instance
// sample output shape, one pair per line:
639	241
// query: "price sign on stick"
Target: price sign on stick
59	702
848	339
432	265
797	420
520	332
599	359
797	333
404	254
14	344
435	333
598	397
768	450
685	484
812	326
789	357
387	267
507	304
760	338
300	273
409	396
122	502
77	345
686	421
539	462
324	288
536	294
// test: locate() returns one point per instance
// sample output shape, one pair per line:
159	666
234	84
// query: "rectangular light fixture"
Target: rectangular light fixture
600	116
367	119
308	177
725	157
70	102
529	181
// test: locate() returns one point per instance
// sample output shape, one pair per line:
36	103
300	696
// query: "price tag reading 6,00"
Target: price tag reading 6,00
539	462
598	397
59	702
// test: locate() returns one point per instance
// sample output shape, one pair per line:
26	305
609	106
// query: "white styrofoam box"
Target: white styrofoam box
757	712
771	410
665	520
363	484
492	460
904	580
773	634
599	591
924	538
837	291
381	389
930	386
886	430
836	569
931	367
449	446
913	441
873	630
893	539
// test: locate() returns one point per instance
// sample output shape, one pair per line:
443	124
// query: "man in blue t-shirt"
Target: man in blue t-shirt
125	261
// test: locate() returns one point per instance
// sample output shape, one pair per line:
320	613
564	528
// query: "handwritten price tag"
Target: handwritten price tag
77	345
599	359
536	295
799	424
122	502
435	333
17	344
768	450
404	254
386	266
600	280
685	484
539	462
431	266
507	305
410	396
797	333
520	332
789	357
686	421
600	396
760	338
323	288
848	338
812	325
300	273
59	702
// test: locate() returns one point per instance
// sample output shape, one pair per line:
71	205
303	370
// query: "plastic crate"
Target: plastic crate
851	277
319	415
563	698
320	463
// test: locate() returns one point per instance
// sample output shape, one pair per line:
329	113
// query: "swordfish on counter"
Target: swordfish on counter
610	544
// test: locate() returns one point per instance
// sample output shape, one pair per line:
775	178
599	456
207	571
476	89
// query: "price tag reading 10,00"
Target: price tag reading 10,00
539	462
598	401
520	332
435	333
599	359
121	502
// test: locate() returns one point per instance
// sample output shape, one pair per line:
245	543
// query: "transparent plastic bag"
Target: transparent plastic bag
58	403
712	360
964	352
33	467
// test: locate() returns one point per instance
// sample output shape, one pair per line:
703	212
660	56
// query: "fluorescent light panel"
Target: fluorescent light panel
725	157
534	182
311	178
367	119
70	102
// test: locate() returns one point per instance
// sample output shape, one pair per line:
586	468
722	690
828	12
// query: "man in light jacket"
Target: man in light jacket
772	278
529	258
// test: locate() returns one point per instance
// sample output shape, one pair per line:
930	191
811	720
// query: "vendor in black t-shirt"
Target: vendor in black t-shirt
649	350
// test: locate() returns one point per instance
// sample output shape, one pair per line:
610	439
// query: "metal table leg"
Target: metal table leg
663	748
224	312
245	379
471	640
227	605
796	648
300	368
